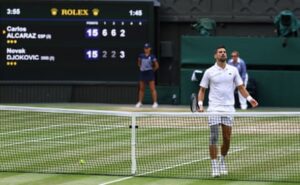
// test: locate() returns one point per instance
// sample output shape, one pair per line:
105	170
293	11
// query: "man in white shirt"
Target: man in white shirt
222	79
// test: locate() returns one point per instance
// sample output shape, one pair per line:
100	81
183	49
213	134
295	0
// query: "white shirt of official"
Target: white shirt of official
221	83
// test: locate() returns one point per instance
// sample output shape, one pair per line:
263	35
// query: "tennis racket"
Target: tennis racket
194	103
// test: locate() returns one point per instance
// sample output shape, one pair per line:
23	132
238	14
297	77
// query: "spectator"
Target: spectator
240	64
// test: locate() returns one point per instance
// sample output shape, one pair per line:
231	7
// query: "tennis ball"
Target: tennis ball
82	161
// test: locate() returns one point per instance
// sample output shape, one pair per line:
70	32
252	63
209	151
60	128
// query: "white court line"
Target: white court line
47	138
29	129
117	180
51	138
167	168
61	125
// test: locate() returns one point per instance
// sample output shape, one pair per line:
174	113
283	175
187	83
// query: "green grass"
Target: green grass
58	179
170	147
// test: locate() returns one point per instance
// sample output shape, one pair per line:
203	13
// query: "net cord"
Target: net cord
142	114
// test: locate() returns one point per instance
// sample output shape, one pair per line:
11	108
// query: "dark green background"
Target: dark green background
275	69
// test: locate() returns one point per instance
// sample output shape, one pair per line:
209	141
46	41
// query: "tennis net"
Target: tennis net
264	146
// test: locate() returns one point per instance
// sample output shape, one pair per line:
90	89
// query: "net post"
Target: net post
133	145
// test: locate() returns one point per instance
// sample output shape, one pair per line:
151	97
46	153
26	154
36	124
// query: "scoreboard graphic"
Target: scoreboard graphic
73	40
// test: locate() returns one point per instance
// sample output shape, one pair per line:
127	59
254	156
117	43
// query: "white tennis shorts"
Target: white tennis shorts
220	119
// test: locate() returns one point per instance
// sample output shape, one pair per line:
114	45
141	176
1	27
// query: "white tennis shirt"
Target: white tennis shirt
221	83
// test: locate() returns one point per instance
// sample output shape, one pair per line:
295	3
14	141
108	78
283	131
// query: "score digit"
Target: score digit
104	33
91	54
122	54
122	33
113	54
113	32
91	33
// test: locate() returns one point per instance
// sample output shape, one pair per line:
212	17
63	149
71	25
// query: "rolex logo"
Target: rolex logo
54	11
95	11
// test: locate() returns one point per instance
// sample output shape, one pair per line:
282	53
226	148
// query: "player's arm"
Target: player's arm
203	86
201	95
246	95
155	65
139	62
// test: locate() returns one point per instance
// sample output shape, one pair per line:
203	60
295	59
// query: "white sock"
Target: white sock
214	163
222	158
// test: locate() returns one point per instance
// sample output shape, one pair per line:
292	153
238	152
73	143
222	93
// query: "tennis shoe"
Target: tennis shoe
215	169
215	172
138	104
155	105
223	169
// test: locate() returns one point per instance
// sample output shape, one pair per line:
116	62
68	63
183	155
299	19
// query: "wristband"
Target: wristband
200	103
249	98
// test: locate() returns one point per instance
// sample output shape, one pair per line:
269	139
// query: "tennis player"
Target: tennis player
222	79
148	64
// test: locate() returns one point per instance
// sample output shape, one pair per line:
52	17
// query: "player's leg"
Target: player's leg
141	93
226	133
213	150
153	93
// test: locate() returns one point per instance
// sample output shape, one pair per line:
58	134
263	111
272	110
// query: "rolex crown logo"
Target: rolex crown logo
54	11
95	11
